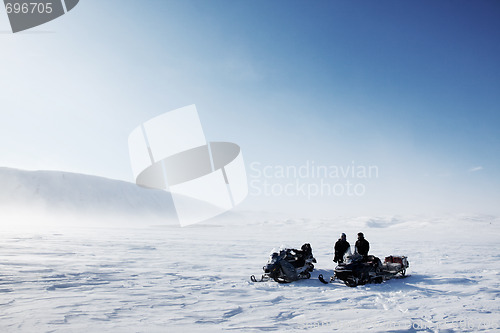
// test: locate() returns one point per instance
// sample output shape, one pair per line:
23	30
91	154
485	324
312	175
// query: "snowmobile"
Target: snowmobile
288	265
359	270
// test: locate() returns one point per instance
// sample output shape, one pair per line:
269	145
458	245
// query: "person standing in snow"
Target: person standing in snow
362	245
340	248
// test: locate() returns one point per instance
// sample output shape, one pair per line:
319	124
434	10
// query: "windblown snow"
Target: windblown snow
152	277
71	194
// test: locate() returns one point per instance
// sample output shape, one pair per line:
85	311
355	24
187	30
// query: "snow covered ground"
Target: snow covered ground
158	278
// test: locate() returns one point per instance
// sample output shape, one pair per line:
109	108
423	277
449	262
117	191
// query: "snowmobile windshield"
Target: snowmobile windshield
353	257
347	255
350	257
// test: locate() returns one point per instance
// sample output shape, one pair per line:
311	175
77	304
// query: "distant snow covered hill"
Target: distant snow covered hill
57	191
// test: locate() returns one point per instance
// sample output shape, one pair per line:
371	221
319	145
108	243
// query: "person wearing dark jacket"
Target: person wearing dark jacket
362	245
340	249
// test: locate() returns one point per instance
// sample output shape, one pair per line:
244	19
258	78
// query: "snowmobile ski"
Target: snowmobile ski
320	277
262	279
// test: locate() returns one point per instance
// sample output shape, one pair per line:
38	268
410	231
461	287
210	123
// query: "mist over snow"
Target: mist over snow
56	193
155	276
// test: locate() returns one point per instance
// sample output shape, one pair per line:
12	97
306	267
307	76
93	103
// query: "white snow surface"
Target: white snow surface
160	278
109	275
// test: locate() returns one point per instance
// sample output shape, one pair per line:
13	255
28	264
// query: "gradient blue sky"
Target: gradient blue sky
412	87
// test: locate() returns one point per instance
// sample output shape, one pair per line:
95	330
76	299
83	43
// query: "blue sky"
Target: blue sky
412	87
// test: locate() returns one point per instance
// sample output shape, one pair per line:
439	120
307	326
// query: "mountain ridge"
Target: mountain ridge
57	191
